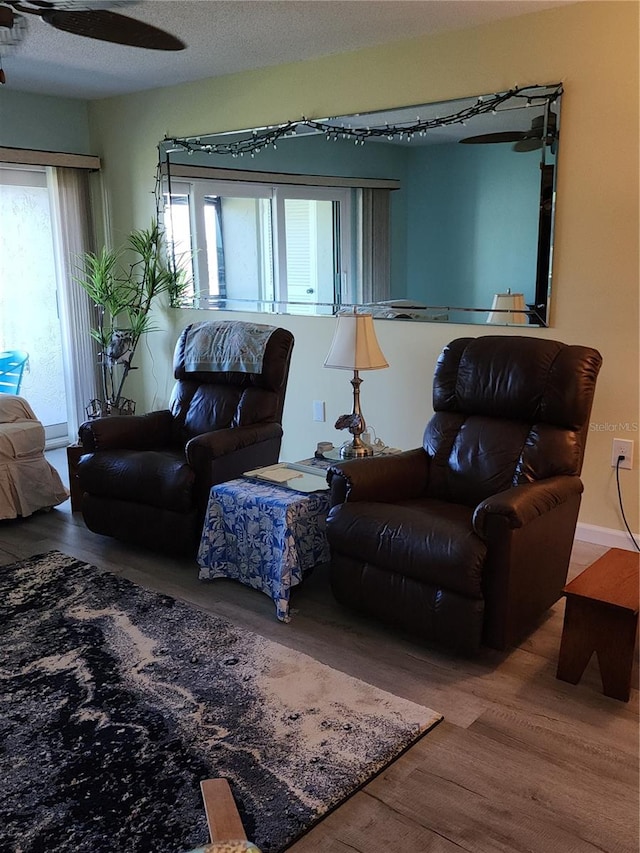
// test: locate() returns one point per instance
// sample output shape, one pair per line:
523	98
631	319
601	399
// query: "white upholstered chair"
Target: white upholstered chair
27	481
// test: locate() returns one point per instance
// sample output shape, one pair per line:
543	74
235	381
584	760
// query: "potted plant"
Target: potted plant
124	284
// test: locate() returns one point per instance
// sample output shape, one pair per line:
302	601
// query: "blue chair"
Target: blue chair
12	365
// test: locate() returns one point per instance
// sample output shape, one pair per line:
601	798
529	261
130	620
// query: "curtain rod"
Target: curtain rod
33	157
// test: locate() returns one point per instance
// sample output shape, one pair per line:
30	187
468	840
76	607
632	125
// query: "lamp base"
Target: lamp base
355	451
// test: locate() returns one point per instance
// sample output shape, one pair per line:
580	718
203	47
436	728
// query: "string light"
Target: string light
269	136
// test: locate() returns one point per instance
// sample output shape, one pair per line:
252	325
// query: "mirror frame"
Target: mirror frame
359	128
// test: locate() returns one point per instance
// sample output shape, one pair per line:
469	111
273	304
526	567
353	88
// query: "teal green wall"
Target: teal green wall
480	206
43	123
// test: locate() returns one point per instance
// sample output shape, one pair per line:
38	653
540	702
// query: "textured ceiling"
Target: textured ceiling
228	36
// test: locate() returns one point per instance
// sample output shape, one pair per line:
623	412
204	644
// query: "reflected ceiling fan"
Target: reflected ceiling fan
544	129
94	20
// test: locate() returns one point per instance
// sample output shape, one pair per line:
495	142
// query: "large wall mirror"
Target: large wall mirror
438	213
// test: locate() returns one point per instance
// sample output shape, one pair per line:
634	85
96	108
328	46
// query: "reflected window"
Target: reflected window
215	247
294	242
177	229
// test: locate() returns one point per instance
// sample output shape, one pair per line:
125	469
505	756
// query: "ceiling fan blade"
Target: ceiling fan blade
484	138
531	143
111	26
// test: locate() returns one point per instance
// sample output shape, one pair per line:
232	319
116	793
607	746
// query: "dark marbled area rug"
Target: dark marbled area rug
115	702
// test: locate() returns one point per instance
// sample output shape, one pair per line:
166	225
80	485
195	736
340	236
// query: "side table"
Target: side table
601	616
74	452
264	535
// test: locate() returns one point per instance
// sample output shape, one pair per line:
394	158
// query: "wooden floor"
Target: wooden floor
522	761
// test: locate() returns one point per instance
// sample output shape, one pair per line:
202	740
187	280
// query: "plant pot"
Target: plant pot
105	408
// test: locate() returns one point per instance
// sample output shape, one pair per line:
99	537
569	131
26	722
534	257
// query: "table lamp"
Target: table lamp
508	308
355	347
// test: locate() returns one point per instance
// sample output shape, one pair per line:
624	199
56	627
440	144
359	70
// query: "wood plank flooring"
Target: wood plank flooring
522	761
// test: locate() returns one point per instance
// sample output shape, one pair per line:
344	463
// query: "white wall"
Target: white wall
592	48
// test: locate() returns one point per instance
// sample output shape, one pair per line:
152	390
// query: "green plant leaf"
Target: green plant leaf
124	283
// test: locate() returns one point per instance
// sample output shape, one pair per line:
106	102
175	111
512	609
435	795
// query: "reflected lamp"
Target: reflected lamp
508	308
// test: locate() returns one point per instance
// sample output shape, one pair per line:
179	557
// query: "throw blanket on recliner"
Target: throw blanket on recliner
226	345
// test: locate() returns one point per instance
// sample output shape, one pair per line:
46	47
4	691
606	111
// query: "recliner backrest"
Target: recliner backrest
508	410
206	400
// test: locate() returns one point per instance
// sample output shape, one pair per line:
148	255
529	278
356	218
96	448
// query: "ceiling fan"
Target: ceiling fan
90	19
544	129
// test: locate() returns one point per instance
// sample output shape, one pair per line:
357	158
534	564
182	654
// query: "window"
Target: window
28	292
45	227
294	242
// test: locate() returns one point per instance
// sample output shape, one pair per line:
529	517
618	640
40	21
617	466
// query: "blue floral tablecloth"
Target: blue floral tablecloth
263	535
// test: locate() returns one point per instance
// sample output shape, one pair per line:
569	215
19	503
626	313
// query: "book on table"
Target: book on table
292	475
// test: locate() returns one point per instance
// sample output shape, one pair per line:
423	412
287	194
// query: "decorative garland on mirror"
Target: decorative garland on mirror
269	136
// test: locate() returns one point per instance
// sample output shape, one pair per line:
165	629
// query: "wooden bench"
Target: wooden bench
601	616
223	818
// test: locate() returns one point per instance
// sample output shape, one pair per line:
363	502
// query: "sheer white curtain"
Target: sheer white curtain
73	235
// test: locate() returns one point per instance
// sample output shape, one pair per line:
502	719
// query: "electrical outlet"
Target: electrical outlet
318	411
622	447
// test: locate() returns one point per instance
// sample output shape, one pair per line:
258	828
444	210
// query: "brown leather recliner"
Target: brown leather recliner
467	539
146	479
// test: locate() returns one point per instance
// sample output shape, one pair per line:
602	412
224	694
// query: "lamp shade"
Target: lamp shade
507	308
354	345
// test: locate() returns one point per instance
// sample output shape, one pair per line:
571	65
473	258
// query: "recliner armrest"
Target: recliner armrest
221	442
129	432
522	504
385	479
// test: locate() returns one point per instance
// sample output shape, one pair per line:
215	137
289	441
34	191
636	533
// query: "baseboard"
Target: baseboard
57	443
606	536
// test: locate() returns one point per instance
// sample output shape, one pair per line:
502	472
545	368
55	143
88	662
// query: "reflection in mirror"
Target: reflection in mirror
386	210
